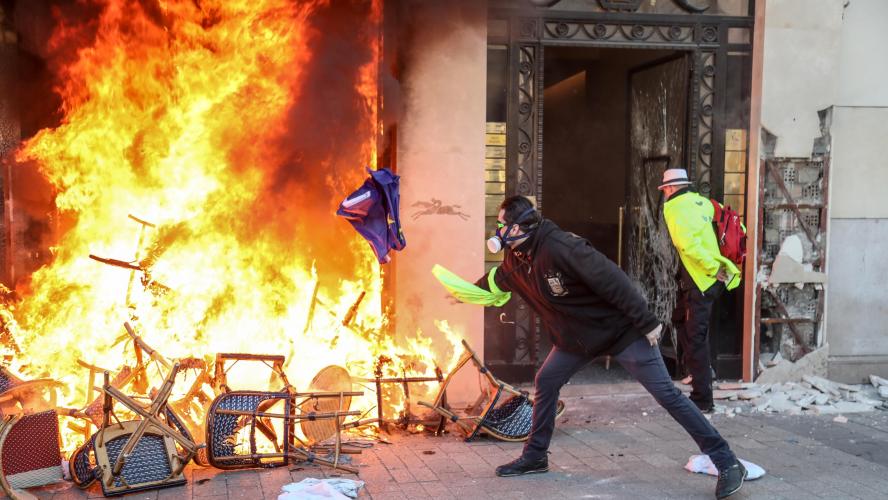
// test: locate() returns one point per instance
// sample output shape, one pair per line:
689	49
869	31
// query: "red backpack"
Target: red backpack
730	233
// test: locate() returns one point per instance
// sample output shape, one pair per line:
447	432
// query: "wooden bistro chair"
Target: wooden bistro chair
236	415
19	396
134	455
501	410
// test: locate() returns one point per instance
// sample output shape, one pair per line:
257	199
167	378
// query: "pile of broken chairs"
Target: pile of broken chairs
152	449
240	428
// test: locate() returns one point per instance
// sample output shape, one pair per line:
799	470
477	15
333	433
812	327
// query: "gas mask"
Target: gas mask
500	240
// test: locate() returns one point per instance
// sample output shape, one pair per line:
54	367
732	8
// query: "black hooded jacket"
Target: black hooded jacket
586	303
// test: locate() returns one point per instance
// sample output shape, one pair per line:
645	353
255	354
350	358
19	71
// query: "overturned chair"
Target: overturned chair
500	410
29	452
249	429
135	455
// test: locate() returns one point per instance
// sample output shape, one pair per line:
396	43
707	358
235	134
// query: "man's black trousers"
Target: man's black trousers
693	336
643	362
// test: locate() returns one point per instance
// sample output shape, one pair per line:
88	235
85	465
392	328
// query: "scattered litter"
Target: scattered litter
321	489
428	452
840	419
204	480
703	465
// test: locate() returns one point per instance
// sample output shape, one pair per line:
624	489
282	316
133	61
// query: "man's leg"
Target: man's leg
645	363
696	341
559	366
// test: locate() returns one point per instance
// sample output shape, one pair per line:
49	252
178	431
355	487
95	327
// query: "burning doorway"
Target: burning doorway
200	153
615	119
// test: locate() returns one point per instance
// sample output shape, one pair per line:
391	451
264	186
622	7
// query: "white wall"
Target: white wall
831	53
857	307
862	68
441	156
801	59
859	164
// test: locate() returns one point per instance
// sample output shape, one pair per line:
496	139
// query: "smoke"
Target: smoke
324	149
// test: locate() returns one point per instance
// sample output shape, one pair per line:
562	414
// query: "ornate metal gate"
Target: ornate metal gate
709	39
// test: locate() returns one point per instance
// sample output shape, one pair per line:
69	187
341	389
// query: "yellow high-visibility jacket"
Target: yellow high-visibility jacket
689	219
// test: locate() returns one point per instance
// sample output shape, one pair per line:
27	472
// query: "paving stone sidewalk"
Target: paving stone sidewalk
613	441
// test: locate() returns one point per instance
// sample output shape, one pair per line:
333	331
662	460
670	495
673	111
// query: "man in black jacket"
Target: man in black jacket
588	307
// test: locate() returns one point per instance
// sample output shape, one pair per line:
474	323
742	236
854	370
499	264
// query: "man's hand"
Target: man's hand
654	335
722	274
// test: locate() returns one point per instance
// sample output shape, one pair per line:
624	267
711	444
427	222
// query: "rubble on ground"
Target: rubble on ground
812	395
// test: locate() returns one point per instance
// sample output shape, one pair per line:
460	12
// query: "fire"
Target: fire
183	115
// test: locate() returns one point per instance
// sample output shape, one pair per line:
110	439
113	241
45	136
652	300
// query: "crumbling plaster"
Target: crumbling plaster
829	54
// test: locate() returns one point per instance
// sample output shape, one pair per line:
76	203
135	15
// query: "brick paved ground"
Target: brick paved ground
612	442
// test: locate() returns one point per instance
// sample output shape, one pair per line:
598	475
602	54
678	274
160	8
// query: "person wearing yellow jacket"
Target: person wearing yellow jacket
705	274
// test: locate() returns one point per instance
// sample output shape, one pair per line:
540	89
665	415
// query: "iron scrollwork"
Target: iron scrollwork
633	5
688	34
704	108
622	5
526	119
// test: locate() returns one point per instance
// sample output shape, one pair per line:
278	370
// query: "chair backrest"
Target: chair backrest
29	450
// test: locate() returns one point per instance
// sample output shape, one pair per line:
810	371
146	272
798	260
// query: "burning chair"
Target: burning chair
29	452
235	416
500	410
134	455
404	382
26	396
29	433
176	413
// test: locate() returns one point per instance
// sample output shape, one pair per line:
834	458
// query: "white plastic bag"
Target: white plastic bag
321	489
702	464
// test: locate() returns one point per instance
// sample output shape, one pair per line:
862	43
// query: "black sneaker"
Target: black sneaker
522	465
730	480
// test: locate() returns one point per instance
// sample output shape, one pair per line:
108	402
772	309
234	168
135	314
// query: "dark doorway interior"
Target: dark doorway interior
613	120
586	138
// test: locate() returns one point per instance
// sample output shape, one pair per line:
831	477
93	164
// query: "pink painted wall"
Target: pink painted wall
441	157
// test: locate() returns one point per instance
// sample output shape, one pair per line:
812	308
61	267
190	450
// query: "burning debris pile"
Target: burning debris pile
196	172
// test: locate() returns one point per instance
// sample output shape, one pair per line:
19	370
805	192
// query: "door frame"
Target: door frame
706	37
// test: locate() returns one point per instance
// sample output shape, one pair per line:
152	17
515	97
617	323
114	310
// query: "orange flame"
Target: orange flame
179	116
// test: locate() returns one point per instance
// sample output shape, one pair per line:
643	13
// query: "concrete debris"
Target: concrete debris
807	401
840	419
732	386
750	394
812	394
846	387
718	394
814	363
821	384
877	381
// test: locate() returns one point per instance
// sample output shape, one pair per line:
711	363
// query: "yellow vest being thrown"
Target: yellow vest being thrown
689	219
